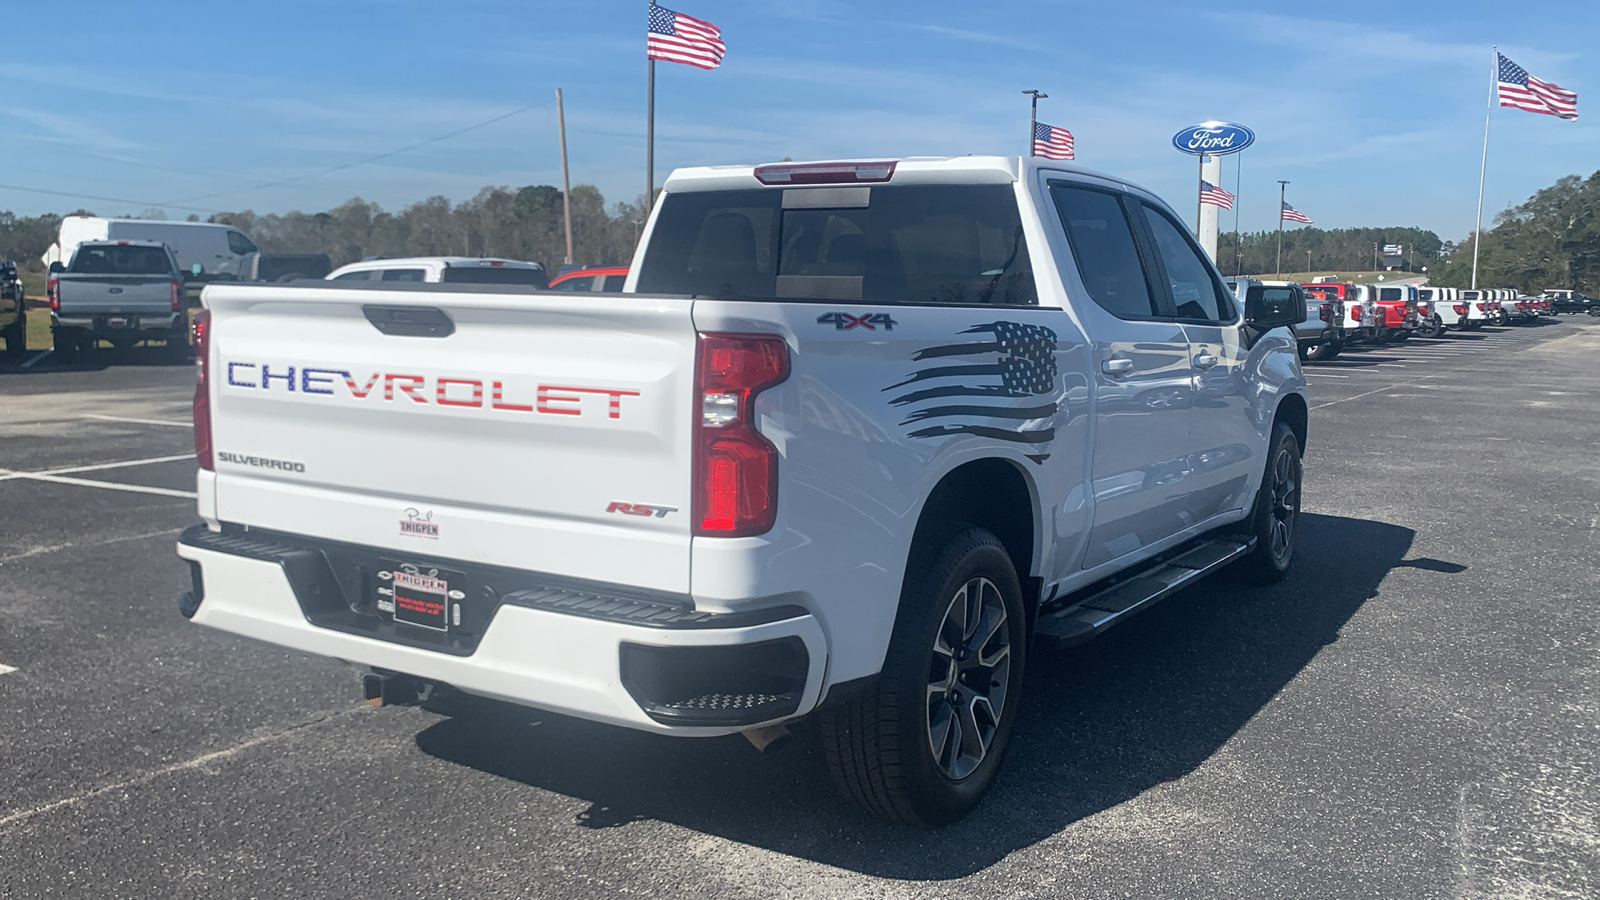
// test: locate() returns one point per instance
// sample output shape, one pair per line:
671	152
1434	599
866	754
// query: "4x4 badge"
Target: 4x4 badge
843	321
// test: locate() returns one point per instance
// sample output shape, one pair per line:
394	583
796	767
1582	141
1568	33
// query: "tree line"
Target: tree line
515	223
1331	249
1550	241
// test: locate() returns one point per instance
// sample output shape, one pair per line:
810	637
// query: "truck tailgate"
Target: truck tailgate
531	436
83	295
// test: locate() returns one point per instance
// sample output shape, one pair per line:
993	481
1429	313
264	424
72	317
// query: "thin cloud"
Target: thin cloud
977	37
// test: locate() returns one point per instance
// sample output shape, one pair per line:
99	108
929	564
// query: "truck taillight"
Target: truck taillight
177	295
1325	312
202	390
735	466
1461	309
52	289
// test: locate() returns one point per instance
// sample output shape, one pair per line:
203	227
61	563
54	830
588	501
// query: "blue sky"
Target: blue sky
1374	111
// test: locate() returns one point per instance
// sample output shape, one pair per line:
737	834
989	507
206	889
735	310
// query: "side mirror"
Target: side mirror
56	268
1269	308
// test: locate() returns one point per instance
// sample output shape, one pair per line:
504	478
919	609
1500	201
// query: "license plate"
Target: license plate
424	596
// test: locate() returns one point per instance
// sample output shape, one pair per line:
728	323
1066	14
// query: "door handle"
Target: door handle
1205	361
1117	366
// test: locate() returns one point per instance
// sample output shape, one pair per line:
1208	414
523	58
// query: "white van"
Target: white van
215	248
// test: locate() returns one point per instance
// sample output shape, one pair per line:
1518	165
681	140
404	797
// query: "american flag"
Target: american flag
1290	214
1210	193
1523	91
675	37
1051	142
1001	385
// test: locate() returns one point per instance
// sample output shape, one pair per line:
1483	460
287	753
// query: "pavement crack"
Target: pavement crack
198	762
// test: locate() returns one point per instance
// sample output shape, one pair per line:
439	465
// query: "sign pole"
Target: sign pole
1238	244
1483	167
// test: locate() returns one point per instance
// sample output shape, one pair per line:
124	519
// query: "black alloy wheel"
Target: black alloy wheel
1275	522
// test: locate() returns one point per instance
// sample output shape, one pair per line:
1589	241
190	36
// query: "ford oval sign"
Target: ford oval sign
1213	138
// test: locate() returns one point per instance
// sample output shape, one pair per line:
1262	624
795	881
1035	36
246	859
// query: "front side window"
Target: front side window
405	275
240	244
1104	249
956	244
1197	295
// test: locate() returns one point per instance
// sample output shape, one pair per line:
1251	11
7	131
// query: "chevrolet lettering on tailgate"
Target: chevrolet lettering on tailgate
550	399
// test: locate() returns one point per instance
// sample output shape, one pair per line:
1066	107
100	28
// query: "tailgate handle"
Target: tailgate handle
410	321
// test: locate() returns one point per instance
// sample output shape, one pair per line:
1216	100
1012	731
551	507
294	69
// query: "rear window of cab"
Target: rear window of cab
919	244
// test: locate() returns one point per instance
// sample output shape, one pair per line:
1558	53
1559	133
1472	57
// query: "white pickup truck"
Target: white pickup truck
856	434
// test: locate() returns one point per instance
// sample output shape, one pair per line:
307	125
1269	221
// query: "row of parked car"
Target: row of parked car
1340	314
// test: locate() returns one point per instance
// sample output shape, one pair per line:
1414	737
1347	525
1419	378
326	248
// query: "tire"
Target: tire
1324	352
1275	521
1433	328
67	344
880	746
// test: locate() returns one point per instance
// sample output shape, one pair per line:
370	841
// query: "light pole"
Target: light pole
1308	263
1282	186
1033	116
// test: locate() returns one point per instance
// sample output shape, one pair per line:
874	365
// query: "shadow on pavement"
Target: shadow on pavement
1100	724
155	355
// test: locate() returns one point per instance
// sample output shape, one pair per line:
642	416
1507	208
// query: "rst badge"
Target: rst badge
419	524
641	509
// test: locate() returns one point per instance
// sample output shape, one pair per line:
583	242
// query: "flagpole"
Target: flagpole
1483	167
1033	117
650	142
1282	187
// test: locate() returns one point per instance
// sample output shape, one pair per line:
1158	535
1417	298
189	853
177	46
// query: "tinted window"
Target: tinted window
1425	295
404	275
496	275
575	285
1103	246
362	275
1390	294
240	244
614	283
947	244
121	260
1196	293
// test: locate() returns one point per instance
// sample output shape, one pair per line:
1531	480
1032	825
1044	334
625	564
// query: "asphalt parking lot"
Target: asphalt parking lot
1414	713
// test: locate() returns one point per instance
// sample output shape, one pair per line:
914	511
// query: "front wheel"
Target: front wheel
1275	521
924	745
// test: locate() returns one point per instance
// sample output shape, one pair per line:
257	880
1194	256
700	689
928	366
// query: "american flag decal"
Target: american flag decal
1019	364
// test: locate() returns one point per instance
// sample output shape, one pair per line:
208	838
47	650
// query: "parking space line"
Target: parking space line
1391	365
1324	375
108	485
168	422
6	670
36	357
6	474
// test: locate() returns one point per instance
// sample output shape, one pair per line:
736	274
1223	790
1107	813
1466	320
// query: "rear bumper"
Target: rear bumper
135	323
608	659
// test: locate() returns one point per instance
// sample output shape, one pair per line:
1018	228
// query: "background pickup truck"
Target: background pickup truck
120	291
853	438
13	311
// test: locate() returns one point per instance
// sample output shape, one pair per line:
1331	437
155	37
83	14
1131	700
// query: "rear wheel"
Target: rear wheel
1432	327
924	745
67	345
1275	522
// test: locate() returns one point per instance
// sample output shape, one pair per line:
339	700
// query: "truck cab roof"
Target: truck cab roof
902	170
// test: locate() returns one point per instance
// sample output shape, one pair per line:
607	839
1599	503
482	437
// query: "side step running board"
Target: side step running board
1085	618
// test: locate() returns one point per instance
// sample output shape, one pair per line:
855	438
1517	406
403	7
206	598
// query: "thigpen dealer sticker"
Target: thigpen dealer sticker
419	524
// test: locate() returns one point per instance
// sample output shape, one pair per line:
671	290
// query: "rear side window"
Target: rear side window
1103	247
496	275
1197	295
884	244
576	285
1424	295
405	275
1390	294
614	284
121	260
